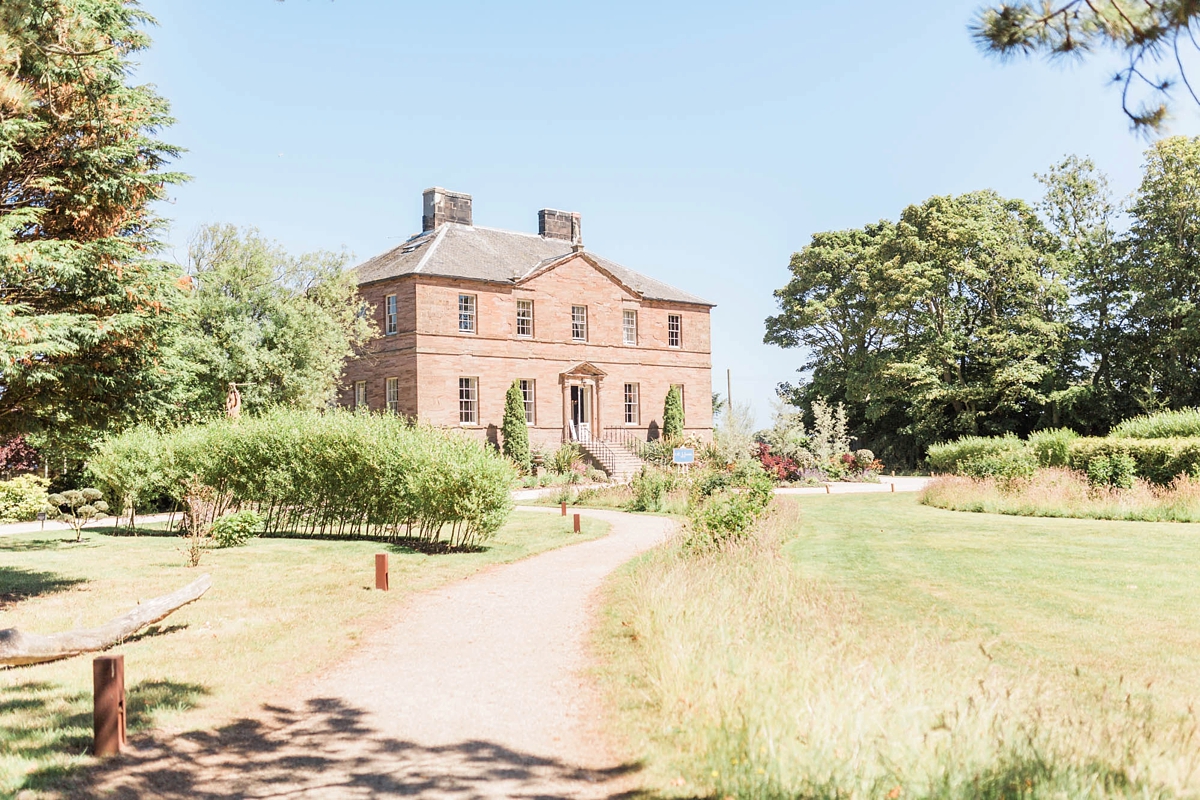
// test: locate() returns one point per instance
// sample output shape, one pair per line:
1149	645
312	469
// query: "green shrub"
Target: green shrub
22	498
514	431
1180	424
1159	461
327	474
1006	465
672	429
567	458
949	456
650	488
726	505
234	530
1052	448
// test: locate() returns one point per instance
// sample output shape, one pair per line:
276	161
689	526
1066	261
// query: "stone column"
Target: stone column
566	429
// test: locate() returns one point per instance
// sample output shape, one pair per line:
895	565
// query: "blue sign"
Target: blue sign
683	455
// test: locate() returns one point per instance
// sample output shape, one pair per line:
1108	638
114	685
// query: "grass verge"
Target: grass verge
279	610
868	646
1066	493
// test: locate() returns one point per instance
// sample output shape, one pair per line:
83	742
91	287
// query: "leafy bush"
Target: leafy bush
1183	423
950	456
336	473
234	530
726	506
1052	448
1159	461
1006	465
568	458
1117	471
22	498
650	488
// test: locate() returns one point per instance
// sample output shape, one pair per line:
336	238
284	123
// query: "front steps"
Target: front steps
615	459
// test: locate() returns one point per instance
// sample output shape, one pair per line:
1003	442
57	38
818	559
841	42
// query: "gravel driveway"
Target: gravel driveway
480	691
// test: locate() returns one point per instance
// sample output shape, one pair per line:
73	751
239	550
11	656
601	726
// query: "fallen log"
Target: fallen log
17	649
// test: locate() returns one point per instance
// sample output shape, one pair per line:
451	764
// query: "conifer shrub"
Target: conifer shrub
323	474
514	431
672	429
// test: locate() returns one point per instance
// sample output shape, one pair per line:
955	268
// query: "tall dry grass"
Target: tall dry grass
1057	492
737	677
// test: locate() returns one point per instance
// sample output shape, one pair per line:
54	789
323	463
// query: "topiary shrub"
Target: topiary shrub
514	431
76	507
672	429
234	530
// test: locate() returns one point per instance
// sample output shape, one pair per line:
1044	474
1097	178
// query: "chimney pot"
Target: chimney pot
442	206
563	225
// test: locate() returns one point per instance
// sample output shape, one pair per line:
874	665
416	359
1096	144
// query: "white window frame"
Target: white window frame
579	322
675	330
525	305
468	401
629	327
632	404
389	315
360	394
468	306
391	394
529	398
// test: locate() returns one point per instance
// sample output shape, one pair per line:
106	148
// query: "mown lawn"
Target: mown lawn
279	610
869	646
1118	598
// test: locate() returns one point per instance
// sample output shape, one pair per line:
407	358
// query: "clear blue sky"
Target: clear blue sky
702	142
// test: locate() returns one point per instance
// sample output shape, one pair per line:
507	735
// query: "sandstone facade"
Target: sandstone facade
452	336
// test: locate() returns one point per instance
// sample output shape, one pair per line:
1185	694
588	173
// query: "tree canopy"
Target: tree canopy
82	301
1154	37
975	315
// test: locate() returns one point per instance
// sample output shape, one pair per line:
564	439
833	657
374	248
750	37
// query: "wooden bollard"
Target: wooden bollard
381	571
564	508
577	523
893	486
108	714
827	488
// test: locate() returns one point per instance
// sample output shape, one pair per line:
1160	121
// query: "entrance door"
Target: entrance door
581	411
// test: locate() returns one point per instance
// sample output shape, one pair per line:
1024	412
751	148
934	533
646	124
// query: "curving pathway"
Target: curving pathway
480	691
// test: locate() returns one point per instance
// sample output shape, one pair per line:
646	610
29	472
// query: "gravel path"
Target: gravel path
480	691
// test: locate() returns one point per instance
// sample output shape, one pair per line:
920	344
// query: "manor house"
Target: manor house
463	311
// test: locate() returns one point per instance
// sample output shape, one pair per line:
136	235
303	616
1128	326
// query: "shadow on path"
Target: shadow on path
325	749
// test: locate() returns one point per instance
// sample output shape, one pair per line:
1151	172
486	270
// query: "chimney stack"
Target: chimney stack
560	225
442	206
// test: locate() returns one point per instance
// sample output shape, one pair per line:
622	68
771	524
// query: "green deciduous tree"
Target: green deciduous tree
1164	275
82	304
514	431
1154	36
672	428
280	326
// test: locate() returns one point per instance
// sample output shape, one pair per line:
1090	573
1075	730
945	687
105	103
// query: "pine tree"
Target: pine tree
82	304
513	429
673	415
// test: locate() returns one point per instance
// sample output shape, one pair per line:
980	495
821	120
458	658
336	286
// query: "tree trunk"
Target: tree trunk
18	648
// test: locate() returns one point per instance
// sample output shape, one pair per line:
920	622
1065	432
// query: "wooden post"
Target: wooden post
108	714
827	488
381	571
577	523
564	508
893	486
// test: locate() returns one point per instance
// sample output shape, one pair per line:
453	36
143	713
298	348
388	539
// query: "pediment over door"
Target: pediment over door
583	370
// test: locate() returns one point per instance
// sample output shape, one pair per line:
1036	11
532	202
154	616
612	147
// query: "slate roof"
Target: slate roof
488	254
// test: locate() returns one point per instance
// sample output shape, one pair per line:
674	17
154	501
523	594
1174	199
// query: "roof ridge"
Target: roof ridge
437	239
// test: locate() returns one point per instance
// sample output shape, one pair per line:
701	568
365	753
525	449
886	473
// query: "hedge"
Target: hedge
1157	460
952	456
337	473
1181	424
